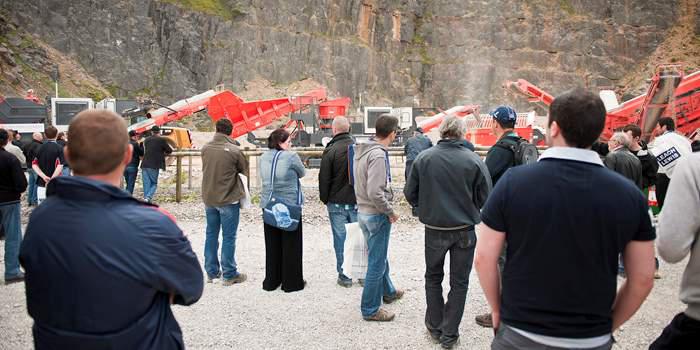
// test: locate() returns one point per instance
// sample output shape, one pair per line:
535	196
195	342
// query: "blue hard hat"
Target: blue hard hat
504	114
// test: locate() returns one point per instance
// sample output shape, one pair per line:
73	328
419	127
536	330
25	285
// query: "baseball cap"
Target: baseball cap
504	114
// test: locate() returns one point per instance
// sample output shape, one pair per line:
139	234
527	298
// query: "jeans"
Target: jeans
130	173
508	339
65	171
150	182
12	225
340	214
31	188
376	229
443	318
226	219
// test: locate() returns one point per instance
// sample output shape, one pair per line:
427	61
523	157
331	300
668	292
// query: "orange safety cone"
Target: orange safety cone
652	197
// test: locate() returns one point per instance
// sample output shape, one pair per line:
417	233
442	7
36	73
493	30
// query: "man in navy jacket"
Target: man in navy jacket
101	267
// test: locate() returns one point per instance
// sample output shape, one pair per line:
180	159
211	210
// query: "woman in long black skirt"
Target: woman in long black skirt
283	249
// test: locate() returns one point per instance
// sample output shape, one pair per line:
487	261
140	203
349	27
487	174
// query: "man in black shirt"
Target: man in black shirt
560	278
649	164
12	184
499	159
132	169
156	147
30	152
48	163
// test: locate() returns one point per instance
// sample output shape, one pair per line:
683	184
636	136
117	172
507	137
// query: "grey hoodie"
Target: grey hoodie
679	229
372	185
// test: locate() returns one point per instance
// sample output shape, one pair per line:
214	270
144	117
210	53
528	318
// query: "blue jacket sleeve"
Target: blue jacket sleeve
175	268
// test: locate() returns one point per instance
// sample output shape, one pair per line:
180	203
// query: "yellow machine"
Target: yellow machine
180	137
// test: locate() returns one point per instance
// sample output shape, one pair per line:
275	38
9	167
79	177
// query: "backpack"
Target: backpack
523	151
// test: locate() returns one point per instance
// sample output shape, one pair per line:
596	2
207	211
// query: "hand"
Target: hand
46	179
393	218
496	321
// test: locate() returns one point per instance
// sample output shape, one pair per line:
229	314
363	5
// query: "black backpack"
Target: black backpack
523	151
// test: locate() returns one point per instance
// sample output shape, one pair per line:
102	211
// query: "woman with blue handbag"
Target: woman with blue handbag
281	200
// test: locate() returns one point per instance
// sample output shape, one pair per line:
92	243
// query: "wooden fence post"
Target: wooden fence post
178	174
189	173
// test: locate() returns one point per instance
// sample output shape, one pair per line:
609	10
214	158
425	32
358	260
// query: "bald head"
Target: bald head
340	125
97	142
37	136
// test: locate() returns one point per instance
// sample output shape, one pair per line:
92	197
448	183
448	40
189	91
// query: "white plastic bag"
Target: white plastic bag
355	252
40	194
245	201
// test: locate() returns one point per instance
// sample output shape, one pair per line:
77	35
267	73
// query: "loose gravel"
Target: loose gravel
325	315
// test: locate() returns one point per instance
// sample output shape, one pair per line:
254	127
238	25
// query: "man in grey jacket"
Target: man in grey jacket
678	236
449	221
372	182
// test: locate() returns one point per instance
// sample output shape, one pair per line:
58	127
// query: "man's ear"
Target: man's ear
554	129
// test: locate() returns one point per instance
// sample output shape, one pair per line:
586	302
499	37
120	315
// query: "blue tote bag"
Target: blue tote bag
279	213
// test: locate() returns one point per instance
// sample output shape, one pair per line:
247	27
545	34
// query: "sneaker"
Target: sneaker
211	279
238	279
344	282
388	299
381	316
484	320
657	275
449	343
15	279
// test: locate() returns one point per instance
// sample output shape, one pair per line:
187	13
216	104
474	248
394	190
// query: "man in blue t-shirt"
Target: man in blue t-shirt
559	282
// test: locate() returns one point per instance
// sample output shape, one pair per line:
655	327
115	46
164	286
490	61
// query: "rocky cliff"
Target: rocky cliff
430	52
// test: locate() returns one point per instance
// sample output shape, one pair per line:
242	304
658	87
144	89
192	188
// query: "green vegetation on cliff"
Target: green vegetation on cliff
221	8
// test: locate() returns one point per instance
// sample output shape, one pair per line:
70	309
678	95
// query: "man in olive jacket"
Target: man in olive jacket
222	190
336	192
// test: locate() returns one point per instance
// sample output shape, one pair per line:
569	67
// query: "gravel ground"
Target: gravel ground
325	315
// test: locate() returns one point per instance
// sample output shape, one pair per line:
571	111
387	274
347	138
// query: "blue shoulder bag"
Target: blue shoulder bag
278	213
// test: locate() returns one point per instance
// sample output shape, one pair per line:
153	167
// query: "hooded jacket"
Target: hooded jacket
333	183
372	174
100	267
222	161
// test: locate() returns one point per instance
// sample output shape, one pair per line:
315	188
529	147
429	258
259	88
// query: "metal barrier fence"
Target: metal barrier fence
248	153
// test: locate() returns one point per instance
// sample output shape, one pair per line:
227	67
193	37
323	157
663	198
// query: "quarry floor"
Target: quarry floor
325	315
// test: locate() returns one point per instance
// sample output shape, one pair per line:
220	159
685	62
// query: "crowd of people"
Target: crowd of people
548	271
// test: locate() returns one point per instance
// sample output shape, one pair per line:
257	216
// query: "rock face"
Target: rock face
438	52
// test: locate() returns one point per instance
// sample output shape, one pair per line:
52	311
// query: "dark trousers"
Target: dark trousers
283	253
682	333
443	318
662	182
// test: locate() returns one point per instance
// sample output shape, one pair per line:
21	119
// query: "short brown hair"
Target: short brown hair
580	115
50	132
97	141
385	125
635	129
